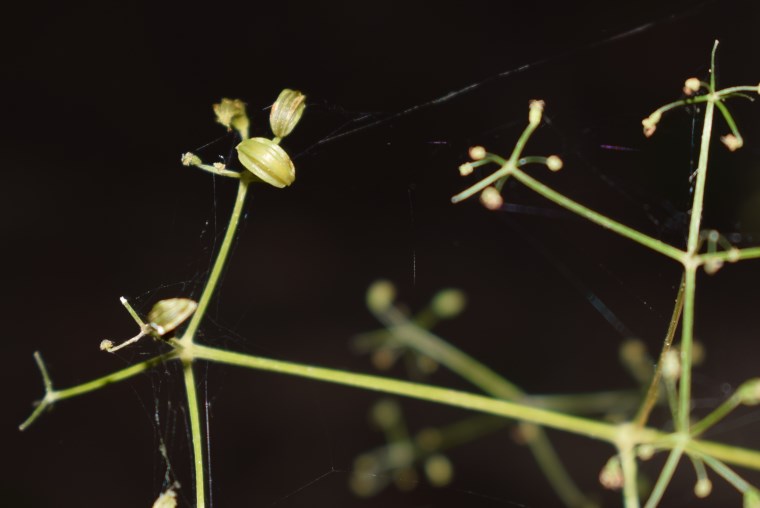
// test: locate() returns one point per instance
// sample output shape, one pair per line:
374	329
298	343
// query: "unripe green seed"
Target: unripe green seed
286	112
267	160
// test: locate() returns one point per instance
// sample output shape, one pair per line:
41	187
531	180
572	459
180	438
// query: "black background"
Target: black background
102	99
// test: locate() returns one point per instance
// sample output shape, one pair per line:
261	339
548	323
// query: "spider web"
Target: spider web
298	450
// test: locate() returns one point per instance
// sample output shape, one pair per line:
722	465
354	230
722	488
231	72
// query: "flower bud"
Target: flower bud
535	112
749	392
703	488
286	112
439	470
650	123
611	476
380	295
448	303
477	153
554	163
691	86
167	315
465	169
732	142
267	160
491	198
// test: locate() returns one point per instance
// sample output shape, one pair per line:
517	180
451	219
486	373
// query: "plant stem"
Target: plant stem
188	339
654	387
690	274
597	218
221	259
195	430
490	382
630	483
665	476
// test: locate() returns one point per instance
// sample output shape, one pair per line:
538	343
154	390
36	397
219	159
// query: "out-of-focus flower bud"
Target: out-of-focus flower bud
448	303
231	113
732	142
691	86
167	315
380	295
491	198
267	160
286	112
650	123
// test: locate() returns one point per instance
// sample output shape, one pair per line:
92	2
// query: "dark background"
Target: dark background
102	99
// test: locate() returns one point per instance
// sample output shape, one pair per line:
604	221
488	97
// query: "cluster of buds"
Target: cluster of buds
263	157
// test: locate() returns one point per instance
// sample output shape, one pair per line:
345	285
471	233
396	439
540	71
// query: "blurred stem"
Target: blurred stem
492	383
654	387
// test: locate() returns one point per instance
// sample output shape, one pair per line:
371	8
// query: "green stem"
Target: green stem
480	375
654	387
717	414
516	411
731	255
52	396
221	259
728	474
630	475
665	476
196	432
597	218
687	341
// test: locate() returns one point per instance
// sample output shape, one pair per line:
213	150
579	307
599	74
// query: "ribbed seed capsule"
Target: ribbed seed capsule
167	315
286	112
267	160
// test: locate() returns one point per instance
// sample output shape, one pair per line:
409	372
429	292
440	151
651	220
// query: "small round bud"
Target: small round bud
491	198
466	169
554	163
645	452
190	159
477	153
286	112
448	303
535	111
231	113
671	365
749	392
105	345
386	413
267	160
691	86
439	470
732	142
702	488
167	315
380	295
611	476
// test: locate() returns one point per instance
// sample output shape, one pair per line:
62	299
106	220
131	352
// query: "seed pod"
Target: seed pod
167	315
286	112
267	160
